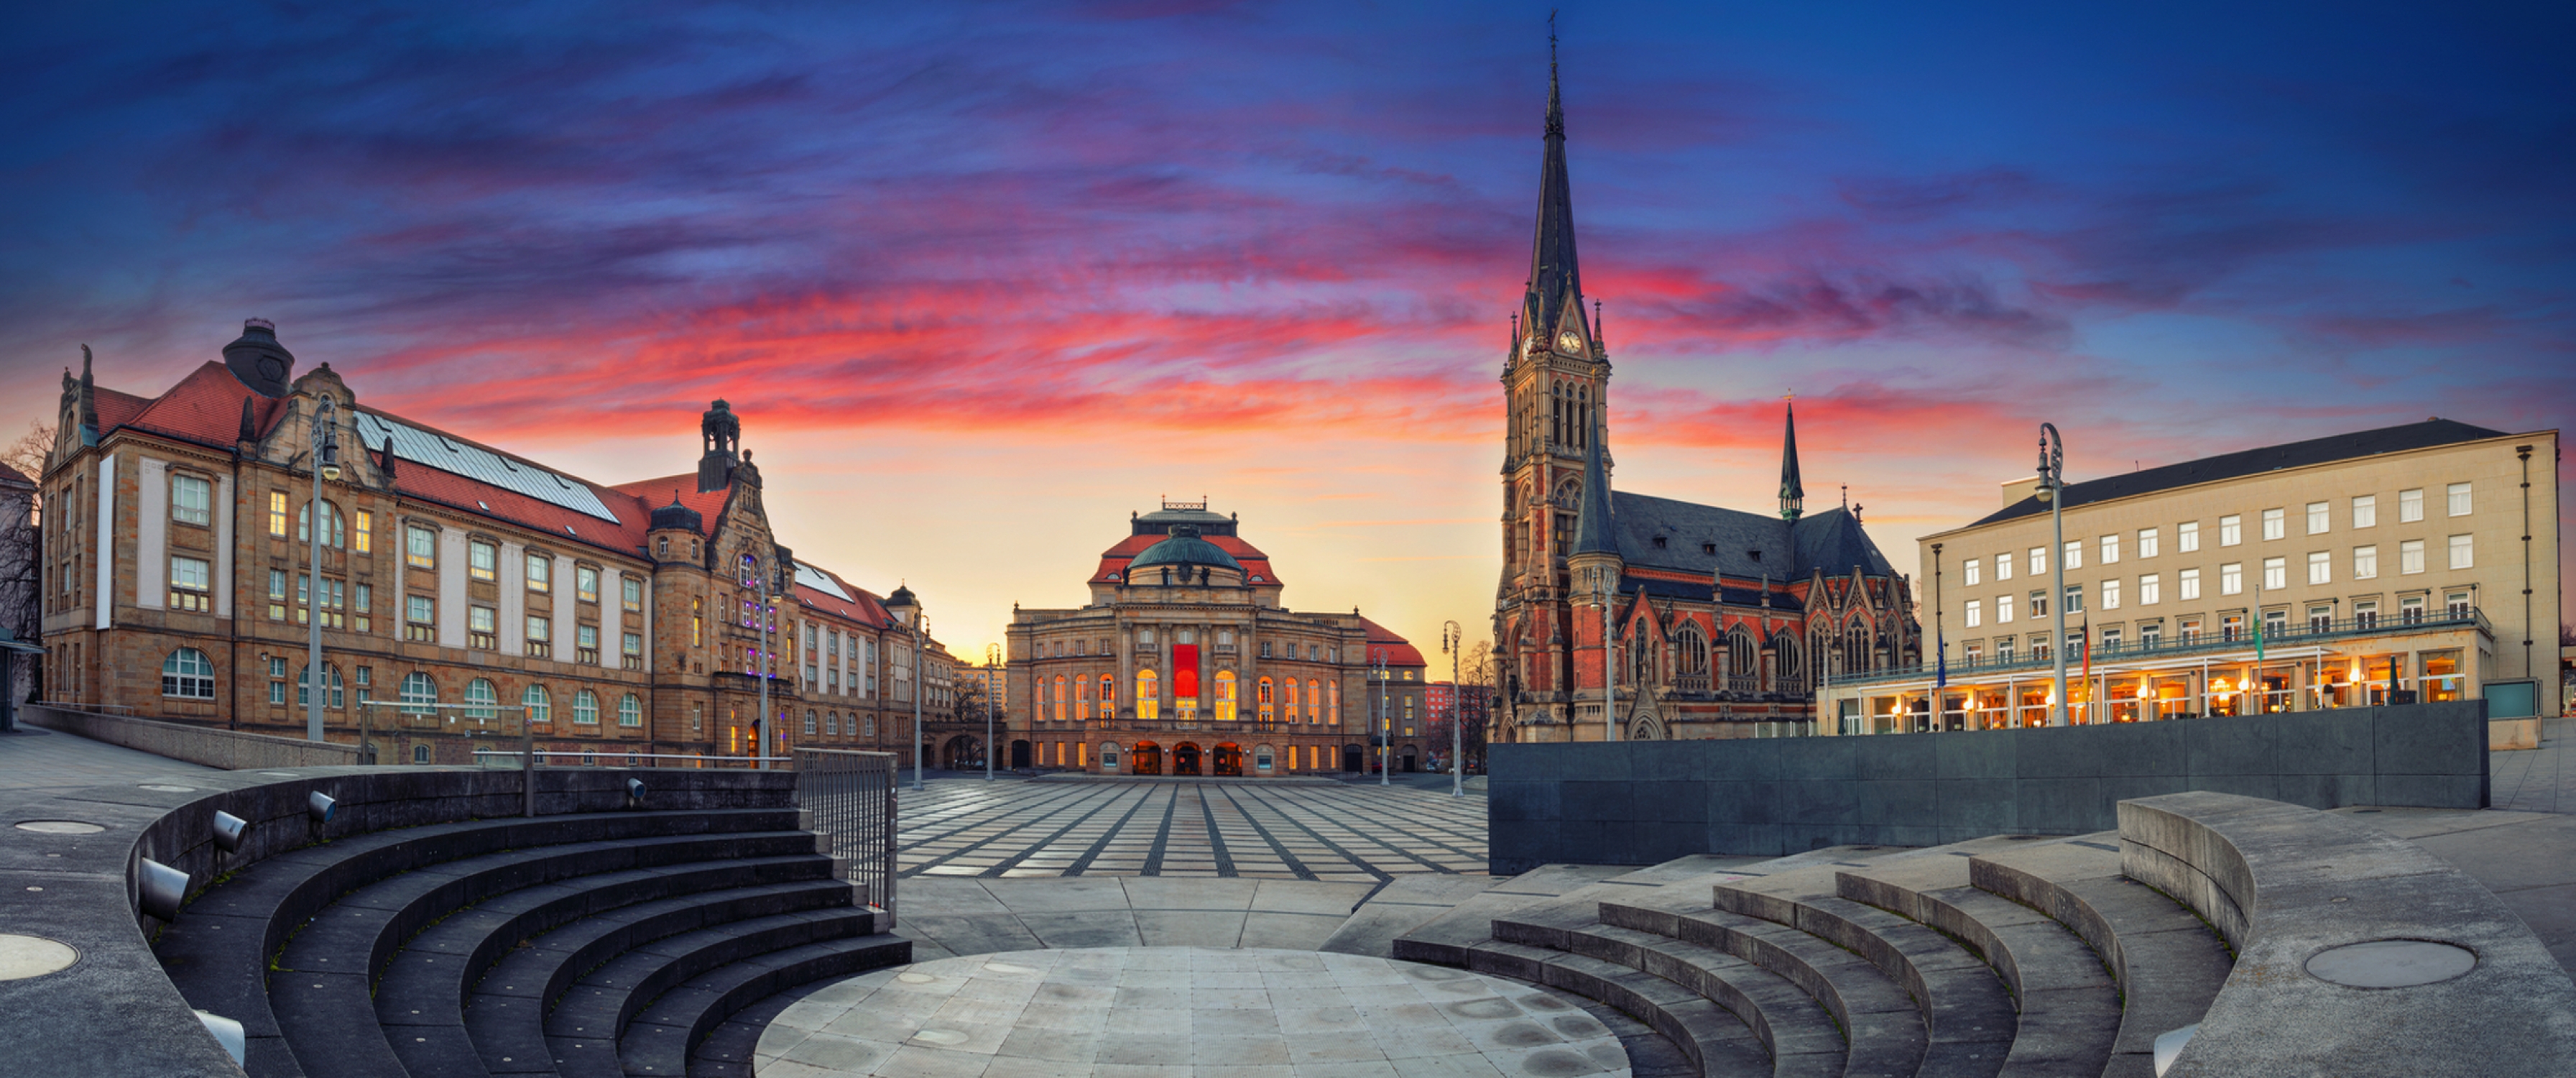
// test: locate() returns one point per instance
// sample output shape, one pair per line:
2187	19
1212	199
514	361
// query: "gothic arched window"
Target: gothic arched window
1790	662
1690	651
1743	668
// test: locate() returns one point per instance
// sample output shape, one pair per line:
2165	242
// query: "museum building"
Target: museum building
1184	662
459	586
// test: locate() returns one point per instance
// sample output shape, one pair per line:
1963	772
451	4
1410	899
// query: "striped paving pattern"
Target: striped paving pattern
1253	830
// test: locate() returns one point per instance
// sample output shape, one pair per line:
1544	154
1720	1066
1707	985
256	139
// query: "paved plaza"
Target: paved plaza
39	761
1254	829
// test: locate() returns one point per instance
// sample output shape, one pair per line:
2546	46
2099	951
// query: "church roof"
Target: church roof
1595	525
1704	539
1555	281
2326	450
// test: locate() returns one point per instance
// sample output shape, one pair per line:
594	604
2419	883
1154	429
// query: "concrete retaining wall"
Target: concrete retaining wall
1644	802
213	747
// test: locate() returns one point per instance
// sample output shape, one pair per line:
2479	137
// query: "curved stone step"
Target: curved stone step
1881	1025
2069	1005
1715	1040
1790	1024
2169	963
217	951
584	1026
657	1042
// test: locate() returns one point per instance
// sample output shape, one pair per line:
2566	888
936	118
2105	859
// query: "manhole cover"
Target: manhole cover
22	957
2392	963
170	789
61	827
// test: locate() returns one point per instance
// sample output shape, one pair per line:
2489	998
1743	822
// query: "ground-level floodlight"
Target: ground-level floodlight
230	830
319	806
164	889
227	1033
2169	1046
635	793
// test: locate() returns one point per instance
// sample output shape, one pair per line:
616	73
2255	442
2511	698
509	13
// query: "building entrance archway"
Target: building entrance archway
1351	757
1019	754
1409	763
1228	759
1145	758
1185	758
962	753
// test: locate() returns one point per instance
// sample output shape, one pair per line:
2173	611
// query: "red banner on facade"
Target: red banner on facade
1185	670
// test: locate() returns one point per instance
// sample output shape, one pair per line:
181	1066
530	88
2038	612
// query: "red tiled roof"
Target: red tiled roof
205	407
1398	652
656	493
1115	559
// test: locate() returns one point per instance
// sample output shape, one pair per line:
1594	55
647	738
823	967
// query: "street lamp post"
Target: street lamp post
1452	639
2052	488
918	619
326	465
992	686
761	731
1377	670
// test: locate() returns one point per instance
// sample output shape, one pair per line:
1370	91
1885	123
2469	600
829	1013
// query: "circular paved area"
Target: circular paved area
1171	1012
1332	831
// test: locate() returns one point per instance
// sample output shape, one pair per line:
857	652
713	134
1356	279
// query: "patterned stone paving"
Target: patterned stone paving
46	760
1328	831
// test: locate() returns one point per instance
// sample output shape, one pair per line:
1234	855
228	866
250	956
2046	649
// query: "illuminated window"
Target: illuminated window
481	627
1333	706
362	611
1225	696
277	513
1149	701
697	623
420	547
541	636
420	618
191	586
1082	699
363	533
1108	697
1063	693
1290	692
1264	702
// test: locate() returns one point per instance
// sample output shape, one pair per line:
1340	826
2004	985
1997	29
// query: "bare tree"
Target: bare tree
27	454
21	549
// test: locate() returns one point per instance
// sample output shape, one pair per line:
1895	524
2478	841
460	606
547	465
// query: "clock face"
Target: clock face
1569	341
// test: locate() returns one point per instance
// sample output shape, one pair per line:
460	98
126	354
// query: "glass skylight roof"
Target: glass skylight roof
813	578
482	465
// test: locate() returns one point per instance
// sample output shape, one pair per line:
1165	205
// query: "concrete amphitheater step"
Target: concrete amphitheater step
1879	1020
2069	1005
505	1016
584	1026
1445	938
658	1041
1967	1015
1789	1023
2169	963
323	989
1713	1039
217	951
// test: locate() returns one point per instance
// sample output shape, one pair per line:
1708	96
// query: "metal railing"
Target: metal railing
851	795
2221	637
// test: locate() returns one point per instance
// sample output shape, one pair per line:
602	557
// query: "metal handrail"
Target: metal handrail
851	794
2296	630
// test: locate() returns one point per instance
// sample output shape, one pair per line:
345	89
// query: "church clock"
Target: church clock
1570	341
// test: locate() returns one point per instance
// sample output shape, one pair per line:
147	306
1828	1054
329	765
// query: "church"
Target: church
1625	616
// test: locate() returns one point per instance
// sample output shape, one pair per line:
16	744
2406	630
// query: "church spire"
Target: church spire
1555	285
1793	496
1592	523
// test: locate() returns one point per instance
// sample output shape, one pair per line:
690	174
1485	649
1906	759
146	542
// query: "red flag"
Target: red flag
1185	671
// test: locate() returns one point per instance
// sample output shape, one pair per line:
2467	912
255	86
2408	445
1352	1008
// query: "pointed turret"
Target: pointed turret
1554	306
1592	524
249	431
1793	496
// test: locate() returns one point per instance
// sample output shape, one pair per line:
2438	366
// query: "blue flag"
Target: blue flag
1941	661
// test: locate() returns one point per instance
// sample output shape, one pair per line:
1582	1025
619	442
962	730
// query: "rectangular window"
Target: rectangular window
2231	578
2190	631
2365	511
2231	530
191	500
2276	573
2275	623
2462	556
2003	649
2150	589
2456	604
2147	539
333	600
277	513
420	618
631	593
277	595
541	636
420	547
585	583
2110	595
2074	553
2003	610
362	612
1976	612
277	679
1973	570
364	541
2111	639
2410	505
2320	567
2075	598
2111	549
2411	609
2365	563
540	573
2039	604
2038	560
2459	498
2321	619
2187	585
2410	557
2003	568
2276	523
191	584
2365	615
2151	636
585	644
481	627
2317	514
631	651
482	560
2187	537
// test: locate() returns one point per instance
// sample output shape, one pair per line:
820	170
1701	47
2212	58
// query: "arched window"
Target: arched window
832	724
188	675
1333	708
479	697
1293	714
339	694
1062	691
585	708
1268	714
1856	648
1743	667
810	722
1149	701
1314	700
541	707
1082	699
1108	697
1690	651
1791	661
1641	656
335	531
630	712
418	688
1225	698
420	754
872	726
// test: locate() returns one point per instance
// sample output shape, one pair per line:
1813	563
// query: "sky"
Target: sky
983	278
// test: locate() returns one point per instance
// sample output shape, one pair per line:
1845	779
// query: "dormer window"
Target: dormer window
1659	542
1708	548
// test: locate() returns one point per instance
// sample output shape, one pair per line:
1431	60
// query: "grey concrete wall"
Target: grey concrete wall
213	747
1643	802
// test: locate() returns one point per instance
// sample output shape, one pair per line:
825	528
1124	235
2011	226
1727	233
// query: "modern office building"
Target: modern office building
2419	559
